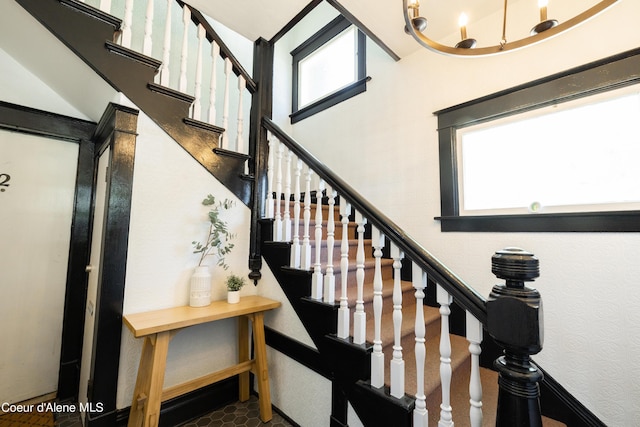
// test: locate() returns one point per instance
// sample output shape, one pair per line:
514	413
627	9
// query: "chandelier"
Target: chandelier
416	24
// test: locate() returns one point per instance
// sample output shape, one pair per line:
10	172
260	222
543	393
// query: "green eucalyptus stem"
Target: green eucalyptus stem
217	241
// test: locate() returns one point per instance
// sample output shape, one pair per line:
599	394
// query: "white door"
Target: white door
94	273
37	186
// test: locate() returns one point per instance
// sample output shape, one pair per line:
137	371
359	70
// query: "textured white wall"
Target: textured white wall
166	216
588	280
30	91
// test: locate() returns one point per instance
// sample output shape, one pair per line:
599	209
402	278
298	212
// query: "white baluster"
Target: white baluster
286	221
242	85
277	223
269	208
297	194
377	356
343	311
215	53
147	44
316	278
445	300
105	5
127	21
329	277
305	257
359	316
166	47
197	102
397	363
420	413
228	70
184	55
474	336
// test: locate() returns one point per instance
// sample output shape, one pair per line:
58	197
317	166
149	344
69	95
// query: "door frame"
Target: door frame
117	130
28	120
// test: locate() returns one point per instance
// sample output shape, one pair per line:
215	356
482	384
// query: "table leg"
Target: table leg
147	396
243	356
262	371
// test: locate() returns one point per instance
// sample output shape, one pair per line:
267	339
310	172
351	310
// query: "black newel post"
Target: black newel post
514	320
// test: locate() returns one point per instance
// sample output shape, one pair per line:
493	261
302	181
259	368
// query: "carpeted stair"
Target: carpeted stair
460	359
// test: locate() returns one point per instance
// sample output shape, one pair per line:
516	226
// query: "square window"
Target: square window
328	68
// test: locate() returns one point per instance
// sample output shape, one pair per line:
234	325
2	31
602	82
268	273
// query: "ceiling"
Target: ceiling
265	18
260	18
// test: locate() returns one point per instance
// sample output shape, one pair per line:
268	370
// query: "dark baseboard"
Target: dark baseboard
557	403
307	356
192	405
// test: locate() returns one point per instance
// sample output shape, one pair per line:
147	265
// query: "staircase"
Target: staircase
275	252
297	284
379	316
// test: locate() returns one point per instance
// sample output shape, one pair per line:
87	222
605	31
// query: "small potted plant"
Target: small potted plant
217	244
234	284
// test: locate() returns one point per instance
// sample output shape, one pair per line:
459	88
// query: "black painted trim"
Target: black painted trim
308	47
145	60
93	12
616	221
293	22
370	34
118	129
557	403
307	356
191	405
203	125
330	100
38	122
76	292
172	93
225	52
261	105
42	123
600	76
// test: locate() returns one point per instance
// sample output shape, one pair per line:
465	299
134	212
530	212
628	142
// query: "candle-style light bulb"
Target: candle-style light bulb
465	43
542	4
545	23
462	22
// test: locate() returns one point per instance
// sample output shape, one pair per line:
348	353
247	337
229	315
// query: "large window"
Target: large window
328	68
582	156
559	154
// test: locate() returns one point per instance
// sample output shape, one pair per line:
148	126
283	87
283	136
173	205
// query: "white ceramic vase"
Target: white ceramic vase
200	292
233	297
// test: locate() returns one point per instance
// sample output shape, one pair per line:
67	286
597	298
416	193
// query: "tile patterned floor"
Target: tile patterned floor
246	414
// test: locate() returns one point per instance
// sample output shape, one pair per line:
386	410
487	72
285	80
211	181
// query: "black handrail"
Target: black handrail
225	52
462	293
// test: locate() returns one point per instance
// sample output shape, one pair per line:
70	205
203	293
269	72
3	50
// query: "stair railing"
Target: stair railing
284	152
195	61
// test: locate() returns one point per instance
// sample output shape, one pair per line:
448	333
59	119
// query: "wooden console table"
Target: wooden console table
158	327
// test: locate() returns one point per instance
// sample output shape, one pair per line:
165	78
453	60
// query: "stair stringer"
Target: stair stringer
88	32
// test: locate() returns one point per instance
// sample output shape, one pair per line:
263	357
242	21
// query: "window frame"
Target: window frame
600	76
308	47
